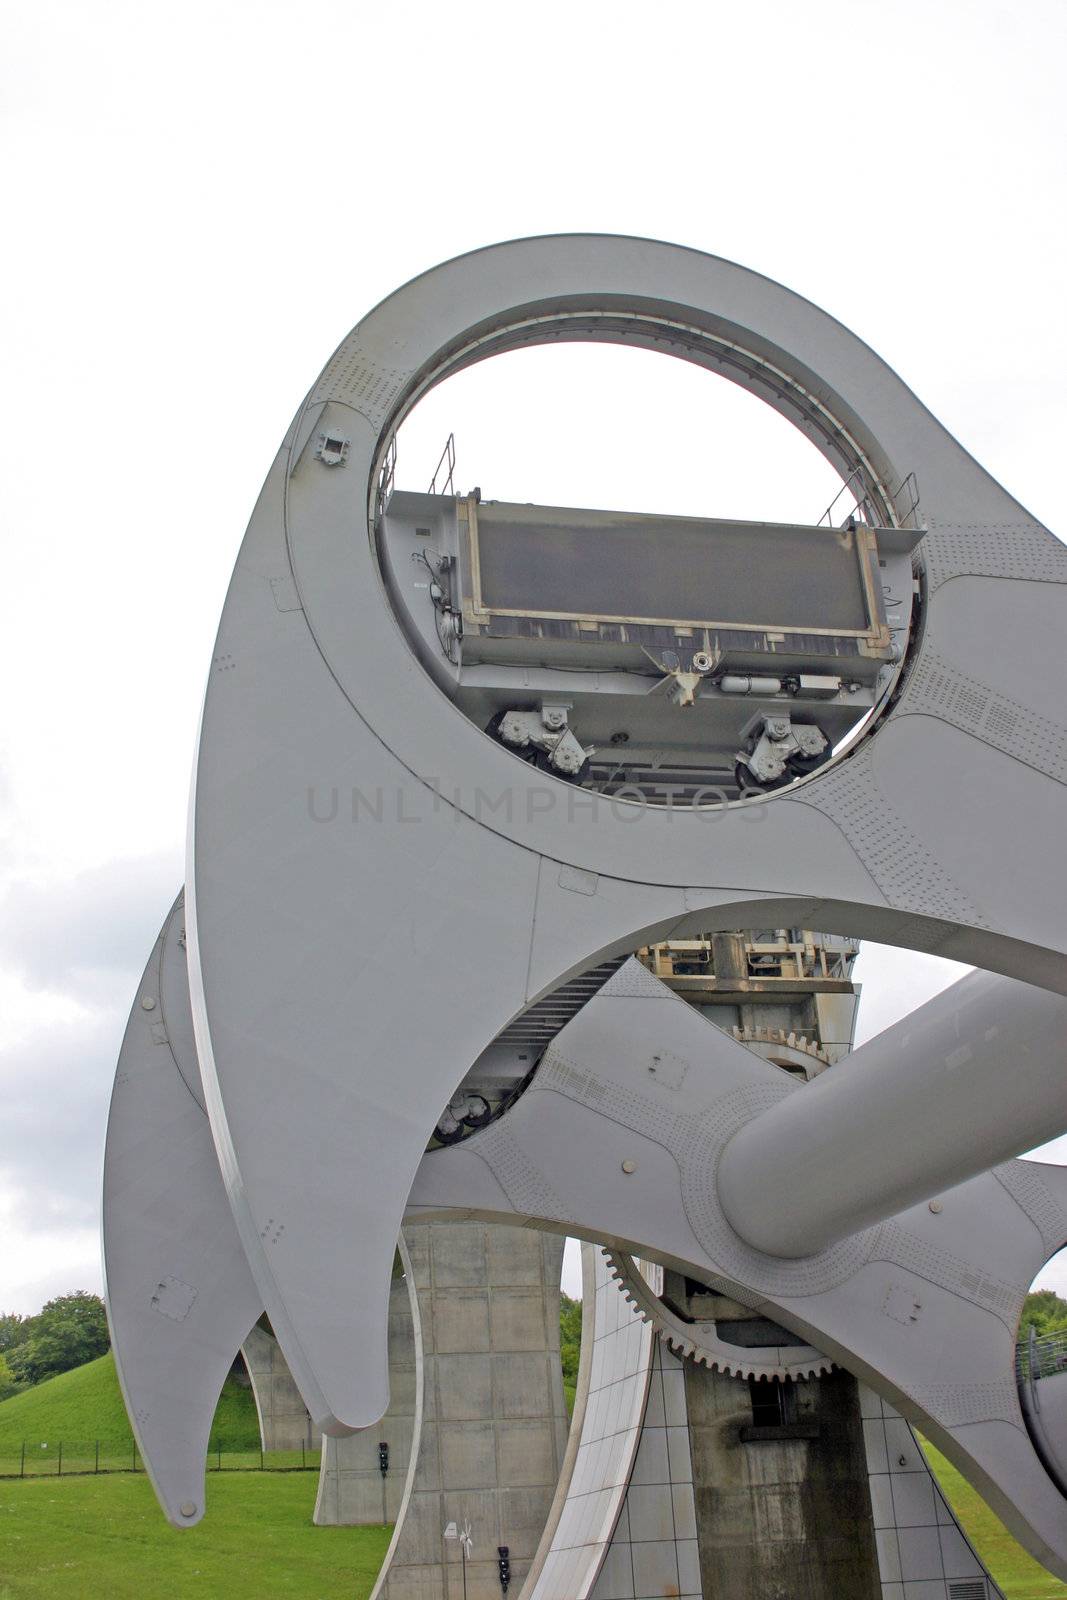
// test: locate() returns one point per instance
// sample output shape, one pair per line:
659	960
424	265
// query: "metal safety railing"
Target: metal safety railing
1041	1355
445	469
908	493
61	1458
859	507
905	499
386	478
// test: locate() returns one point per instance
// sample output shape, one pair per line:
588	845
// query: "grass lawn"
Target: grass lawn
105	1536
87	1537
84	1405
1018	1574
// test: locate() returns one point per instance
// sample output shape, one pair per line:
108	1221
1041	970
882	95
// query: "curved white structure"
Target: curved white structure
180	1297
438	847
617	1359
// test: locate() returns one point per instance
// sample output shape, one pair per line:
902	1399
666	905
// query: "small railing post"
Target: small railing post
59	1468
447	461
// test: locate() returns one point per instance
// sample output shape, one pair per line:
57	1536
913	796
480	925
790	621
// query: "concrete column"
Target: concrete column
494	1425
781	1516
729	955
284	1423
352	1489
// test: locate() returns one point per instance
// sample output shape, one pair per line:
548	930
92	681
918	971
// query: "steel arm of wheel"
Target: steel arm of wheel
308	1041
923	1307
925	1105
180	1297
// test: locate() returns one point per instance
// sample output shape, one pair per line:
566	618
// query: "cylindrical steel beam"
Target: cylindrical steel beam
976	1076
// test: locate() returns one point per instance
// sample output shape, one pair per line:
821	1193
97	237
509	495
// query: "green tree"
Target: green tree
570	1344
67	1332
13	1329
1044	1311
8	1386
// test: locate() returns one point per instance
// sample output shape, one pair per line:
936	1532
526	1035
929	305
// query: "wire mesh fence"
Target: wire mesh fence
59	1458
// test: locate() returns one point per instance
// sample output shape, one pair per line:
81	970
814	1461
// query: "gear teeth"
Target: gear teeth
719	1357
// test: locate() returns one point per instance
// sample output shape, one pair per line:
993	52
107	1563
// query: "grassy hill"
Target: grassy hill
1018	1574
105	1539
85	1404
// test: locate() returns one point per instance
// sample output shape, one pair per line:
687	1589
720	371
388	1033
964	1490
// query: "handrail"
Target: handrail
858	502
910	483
861	500
448	459
386	478
1041	1355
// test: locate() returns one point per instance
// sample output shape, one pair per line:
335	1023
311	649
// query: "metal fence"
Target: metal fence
59	1458
1041	1355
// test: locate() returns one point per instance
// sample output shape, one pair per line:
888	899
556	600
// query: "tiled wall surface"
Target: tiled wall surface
610	1429
923	1554
629	1528
654	1548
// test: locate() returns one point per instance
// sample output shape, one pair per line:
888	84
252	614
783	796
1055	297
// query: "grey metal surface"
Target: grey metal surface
344	1495
625	670
701	1341
180	1297
350	824
942	1090
514	1153
924	1307
1045	1409
297	921
654	1549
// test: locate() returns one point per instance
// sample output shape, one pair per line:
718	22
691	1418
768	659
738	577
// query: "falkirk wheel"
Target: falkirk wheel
459	760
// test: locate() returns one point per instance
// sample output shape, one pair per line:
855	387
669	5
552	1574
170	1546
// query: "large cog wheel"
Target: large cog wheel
700	1342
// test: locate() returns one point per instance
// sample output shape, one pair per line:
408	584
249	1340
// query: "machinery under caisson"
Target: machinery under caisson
579	638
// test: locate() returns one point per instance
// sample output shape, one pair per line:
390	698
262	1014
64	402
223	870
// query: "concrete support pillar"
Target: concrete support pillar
352	1488
781	1516
729	955
494	1424
284	1423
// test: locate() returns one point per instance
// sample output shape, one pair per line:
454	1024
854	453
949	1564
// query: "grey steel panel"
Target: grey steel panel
180	1297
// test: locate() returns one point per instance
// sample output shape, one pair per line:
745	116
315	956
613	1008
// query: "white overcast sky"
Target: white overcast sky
199	200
